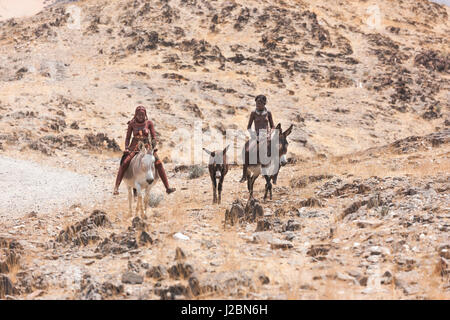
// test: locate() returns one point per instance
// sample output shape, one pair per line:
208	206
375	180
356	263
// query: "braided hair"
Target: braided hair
139	108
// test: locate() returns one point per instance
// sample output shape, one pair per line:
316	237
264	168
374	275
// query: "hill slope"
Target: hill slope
360	211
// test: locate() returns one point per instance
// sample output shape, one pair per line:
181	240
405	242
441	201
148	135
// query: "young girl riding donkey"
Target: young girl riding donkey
142	129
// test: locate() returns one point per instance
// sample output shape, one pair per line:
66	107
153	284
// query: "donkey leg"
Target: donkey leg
270	189
139	198
214	184
274	178
253	183
266	187
249	186
130	201
220	189
146	200
139	205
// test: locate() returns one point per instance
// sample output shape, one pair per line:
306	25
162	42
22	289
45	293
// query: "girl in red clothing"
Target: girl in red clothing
140	127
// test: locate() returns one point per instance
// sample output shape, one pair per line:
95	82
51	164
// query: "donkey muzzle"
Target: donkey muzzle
283	160
150	181
218	174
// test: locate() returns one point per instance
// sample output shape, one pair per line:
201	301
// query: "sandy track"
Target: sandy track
27	186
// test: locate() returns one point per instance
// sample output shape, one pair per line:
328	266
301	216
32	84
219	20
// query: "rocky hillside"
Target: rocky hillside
360	211
342	82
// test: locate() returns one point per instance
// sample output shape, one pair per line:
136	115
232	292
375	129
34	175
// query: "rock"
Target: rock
405	263
433	60
262	237
253	210
368	223
92	290
353	207
289	235
235	214
318	250
74	125
194	286
292	225
403	284
444	251
263	225
84	232
264	279
35	294
386	278
280	244
158	273
377	250
180	270
299	183
345	277
132	278
6	286
179	254
443	267
180	236
230	283
145	238
100	141
374	202
134	267
118	244
432	112
172	292
138	224
311	202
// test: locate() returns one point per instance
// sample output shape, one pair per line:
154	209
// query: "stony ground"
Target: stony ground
345	227
360	211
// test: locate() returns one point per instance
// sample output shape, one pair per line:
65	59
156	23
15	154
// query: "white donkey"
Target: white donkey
141	176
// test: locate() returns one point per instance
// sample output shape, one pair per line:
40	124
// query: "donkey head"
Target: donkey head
283	143
217	160
147	163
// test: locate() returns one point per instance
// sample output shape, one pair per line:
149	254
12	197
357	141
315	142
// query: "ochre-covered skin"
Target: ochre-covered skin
262	121
262	118
141	129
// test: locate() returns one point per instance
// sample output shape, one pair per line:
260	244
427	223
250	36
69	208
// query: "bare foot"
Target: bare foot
170	190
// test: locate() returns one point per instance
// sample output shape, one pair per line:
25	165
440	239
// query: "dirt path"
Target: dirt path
28	186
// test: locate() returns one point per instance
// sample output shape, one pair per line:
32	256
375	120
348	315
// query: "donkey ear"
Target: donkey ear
278	126
207	151
226	149
288	131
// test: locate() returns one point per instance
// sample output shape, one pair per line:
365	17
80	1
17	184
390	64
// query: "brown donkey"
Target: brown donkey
282	151
270	169
218	168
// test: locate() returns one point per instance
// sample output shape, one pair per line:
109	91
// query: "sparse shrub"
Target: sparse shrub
155	199
196	171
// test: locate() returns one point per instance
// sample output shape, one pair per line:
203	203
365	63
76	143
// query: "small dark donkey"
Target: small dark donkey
218	168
